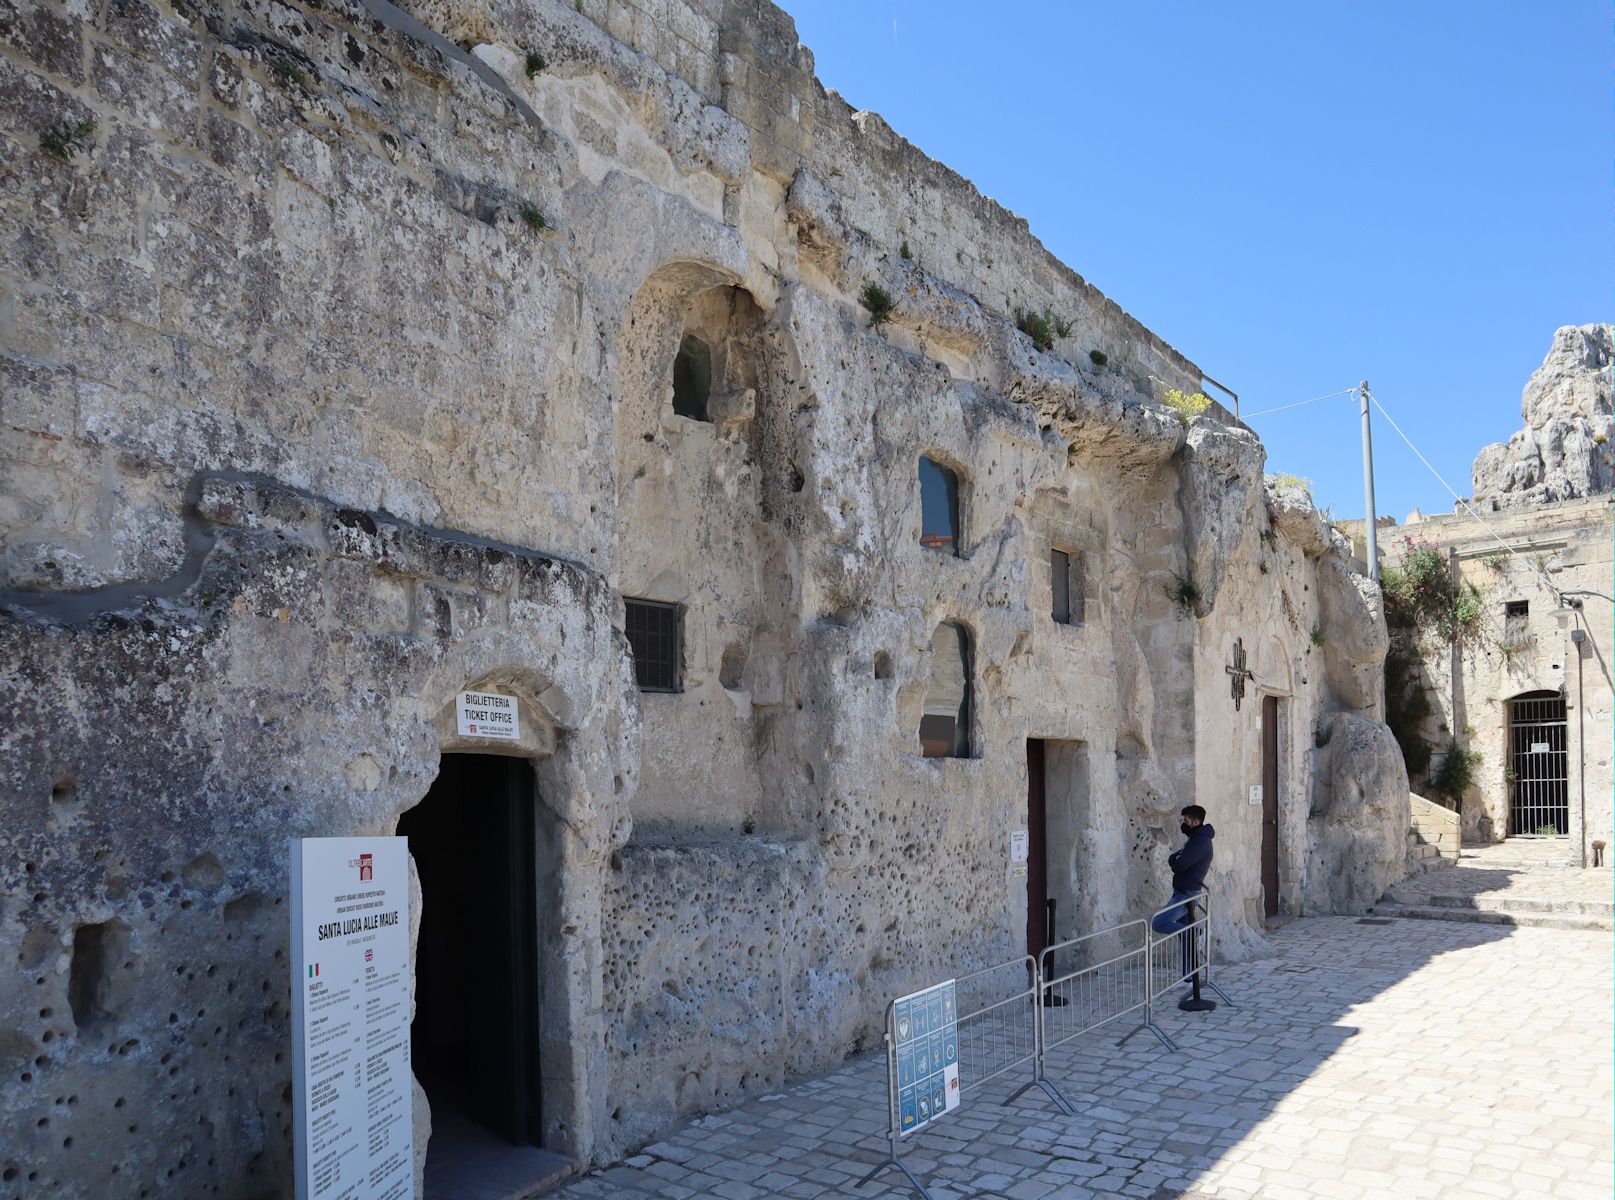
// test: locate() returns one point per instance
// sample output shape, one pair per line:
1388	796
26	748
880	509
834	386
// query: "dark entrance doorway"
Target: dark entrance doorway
1270	804
474	1040
1538	759
1038	915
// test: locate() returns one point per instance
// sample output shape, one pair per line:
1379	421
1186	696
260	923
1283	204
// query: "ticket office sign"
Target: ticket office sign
352	1128
926	1027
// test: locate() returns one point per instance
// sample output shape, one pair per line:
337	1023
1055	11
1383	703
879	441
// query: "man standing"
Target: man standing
1189	866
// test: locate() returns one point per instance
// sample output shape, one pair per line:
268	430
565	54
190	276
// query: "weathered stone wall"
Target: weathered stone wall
306	427
1523	555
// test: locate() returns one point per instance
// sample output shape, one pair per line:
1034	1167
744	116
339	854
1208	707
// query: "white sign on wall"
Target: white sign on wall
1256	793
1018	846
352	1121
488	715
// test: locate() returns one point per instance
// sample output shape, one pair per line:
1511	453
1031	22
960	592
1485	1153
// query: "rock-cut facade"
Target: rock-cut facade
353	356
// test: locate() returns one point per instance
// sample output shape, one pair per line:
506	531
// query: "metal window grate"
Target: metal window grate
1539	784
653	633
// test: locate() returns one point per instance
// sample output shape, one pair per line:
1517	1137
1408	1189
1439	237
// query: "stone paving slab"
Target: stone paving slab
1415	1059
1523	852
1570	890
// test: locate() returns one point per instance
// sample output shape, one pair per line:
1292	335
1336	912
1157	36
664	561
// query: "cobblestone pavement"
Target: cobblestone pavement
1363	1061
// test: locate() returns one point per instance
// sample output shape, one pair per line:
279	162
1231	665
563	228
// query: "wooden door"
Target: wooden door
1270	804
1037	864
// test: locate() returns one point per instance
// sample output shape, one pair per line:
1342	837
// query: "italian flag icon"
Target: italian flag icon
313	970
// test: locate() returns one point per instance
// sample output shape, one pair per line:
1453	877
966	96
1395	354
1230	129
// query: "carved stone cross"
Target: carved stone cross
1239	674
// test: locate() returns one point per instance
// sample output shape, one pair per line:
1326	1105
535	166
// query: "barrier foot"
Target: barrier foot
1161	1033
1049	1090
1055	1094
1195	1004
892	1162
1221	993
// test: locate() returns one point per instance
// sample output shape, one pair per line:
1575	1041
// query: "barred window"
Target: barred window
653	633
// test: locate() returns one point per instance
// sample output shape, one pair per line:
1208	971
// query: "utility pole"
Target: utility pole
1370	522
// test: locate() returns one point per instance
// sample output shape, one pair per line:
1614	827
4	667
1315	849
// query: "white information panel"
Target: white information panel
350	1019
488	715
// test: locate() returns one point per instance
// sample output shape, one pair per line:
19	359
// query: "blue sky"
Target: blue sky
1296	195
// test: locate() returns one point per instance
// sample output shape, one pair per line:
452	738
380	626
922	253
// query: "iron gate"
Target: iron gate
1539	787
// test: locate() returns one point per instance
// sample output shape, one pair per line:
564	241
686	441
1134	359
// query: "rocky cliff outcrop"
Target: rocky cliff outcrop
1563	453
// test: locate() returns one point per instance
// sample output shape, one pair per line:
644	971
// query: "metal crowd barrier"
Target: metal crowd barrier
999	1035
1184	957
1006	1027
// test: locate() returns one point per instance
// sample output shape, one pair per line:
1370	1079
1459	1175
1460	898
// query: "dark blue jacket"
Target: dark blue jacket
1190	864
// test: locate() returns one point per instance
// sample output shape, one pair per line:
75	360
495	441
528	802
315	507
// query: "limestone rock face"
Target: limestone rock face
1356	833
1355	637
1563	453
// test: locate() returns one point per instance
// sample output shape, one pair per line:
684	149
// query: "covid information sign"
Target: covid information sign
927	1050
352	1132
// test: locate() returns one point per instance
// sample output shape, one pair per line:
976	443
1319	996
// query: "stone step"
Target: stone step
1521	904
1418	866
1492	916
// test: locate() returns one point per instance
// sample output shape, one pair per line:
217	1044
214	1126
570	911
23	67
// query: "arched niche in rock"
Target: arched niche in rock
690	536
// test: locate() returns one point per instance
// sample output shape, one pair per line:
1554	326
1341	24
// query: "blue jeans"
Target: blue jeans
1173	918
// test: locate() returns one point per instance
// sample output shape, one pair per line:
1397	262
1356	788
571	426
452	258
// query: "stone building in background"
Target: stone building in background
353	357
1512	719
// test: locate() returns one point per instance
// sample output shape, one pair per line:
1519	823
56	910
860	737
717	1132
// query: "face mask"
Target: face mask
1187	828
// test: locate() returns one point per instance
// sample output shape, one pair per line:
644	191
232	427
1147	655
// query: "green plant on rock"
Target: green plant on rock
879	302
1318	637
1286	479
1547	831
288	71
1098	357
533	219
1456	773
535	63
1036	326
904	253
64	141
1497	562
1422	596
1185	593
1188	405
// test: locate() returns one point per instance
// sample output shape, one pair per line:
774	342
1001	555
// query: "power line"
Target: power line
1300	403
1466	505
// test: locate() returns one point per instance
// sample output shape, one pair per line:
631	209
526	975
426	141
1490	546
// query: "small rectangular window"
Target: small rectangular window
1516	610
939	507
653	633
1065	582
1060	585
